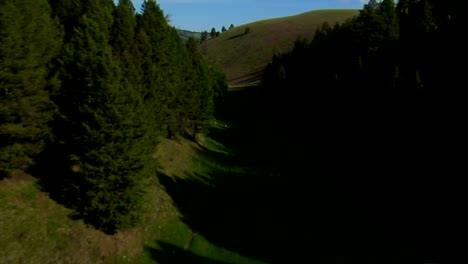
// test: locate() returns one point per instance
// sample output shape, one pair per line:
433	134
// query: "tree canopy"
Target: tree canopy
29	41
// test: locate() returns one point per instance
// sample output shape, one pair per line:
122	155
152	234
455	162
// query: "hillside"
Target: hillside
186	34
244	56
36	229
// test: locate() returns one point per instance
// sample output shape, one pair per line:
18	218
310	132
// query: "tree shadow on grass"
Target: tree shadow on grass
252	77
227	214
3	175
287	216
51	170
270	219
332	194
54	172
170	254
236	36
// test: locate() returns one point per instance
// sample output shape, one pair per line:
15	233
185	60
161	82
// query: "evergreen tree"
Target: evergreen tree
370	7
425	21
29	41
204	36
213	32
123	29
176	69
231	26
200	98
219	86
100	127
68	12
223	29
168	60
156	33
389	13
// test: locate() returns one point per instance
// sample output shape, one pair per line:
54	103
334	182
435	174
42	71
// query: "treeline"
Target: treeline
213	33
395	67
378	102
91	86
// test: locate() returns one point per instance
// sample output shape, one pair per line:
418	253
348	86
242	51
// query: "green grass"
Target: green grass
181	160
240	197
244	196
35	229
243	57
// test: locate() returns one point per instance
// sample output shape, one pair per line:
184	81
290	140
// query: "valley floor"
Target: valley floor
248	192
36	229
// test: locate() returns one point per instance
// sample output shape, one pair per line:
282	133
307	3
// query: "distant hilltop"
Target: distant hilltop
186	34
245	50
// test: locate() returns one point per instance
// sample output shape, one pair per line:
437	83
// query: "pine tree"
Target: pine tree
155	31
176	85
199	98
100	127
219	86
68	12
425	22
223	29
29	41
165	83
204	36
386	60
213	32
389	13
370	7
140	139
123	29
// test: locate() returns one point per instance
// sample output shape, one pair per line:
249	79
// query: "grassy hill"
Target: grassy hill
186	34
244	56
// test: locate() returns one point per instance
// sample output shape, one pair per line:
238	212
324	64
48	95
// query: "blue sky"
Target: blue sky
198	15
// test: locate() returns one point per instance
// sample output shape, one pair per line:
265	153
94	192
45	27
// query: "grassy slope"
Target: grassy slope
250	192
35	229
244	56
181	210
